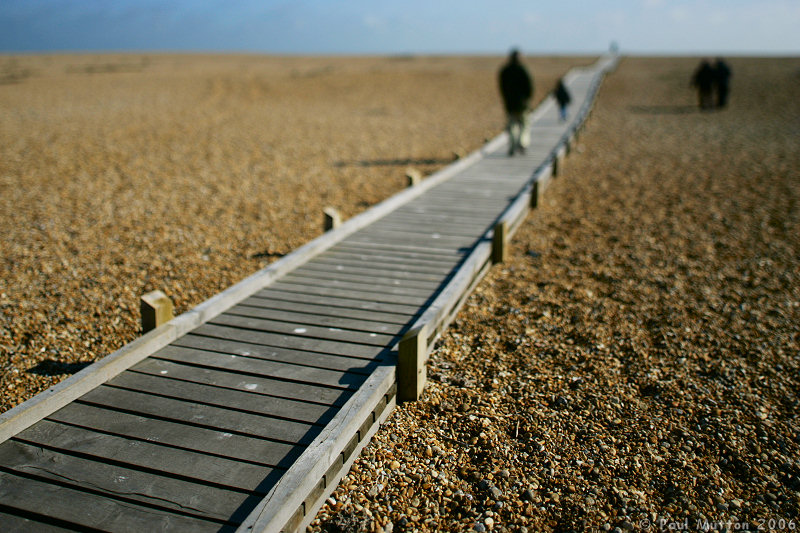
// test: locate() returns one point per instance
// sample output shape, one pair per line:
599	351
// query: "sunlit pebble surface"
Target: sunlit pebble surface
121	174
635	360
634	365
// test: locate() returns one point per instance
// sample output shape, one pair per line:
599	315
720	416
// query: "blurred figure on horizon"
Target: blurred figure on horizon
516	88
563	98
722	78
703	80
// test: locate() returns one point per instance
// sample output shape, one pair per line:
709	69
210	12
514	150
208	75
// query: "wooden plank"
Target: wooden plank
472	225
446	220
360	352
180	463
93	510
220	341
379	247
211	441
242	401
397	279
389	287
306	331
359	259
372	270
293	374
328	309
201	415
133	485
411	243
12	523
367	295
451	206
243	381
412	256
364	326
450	238
336	302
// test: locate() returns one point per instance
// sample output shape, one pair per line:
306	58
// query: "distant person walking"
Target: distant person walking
703	80
722	80
563	98
516	88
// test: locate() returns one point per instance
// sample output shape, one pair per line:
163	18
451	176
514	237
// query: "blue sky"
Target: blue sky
402	26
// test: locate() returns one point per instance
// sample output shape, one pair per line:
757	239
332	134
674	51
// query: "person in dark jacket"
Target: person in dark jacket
516	88
563	98
703	80
722	78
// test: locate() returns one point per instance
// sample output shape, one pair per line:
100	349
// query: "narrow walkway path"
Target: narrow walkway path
245	412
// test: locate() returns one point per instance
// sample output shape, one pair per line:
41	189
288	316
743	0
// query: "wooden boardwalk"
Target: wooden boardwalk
245	412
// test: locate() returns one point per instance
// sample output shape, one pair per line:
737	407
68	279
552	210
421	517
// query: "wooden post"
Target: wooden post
499	242
536	194
413	176
558	163
156	309
411	370
332	218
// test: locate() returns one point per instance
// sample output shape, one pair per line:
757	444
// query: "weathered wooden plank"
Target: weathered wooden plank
396	279
211	441
202	415
292	317
293	373
336	302
242	401
305	331
387	272
450	207
423	256
382	261
389	287
410	242
224	345
323	309
18	524
368	295
445	224
452	238
131	484
93	510
241	380
180	463
356	351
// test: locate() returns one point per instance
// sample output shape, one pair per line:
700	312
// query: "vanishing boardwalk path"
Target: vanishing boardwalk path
245	412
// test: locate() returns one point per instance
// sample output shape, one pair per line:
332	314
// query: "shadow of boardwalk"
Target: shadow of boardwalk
51	367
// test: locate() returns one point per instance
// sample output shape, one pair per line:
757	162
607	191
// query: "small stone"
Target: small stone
394	465
489	521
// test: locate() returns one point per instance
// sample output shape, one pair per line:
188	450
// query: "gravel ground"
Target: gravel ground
635	365
123	174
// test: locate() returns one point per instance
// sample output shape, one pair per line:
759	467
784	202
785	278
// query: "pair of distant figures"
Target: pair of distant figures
516	88
712	83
